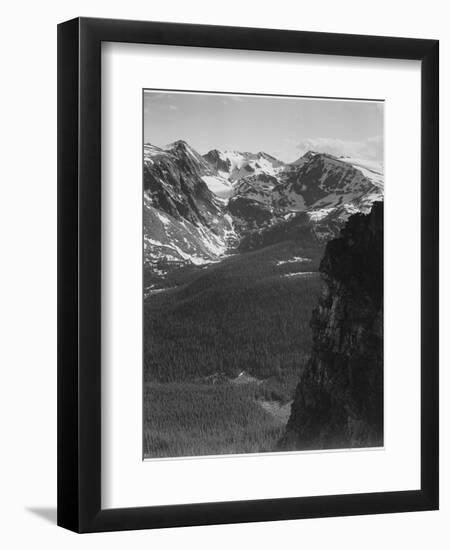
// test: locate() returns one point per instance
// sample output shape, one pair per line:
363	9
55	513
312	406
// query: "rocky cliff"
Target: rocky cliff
339	399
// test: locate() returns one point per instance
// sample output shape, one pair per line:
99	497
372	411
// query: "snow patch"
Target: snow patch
218	185
300	274
294	260
320	214
165	220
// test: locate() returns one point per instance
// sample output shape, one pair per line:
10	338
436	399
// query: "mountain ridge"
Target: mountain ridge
203	207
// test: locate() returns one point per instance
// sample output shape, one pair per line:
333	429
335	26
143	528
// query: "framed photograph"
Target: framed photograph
248	275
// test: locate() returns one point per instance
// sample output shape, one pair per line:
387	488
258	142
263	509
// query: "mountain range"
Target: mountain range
199	209
259	274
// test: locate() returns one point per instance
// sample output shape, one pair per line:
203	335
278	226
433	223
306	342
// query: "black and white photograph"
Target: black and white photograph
263	274
225	287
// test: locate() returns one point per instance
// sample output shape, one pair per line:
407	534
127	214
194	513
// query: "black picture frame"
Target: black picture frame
79	274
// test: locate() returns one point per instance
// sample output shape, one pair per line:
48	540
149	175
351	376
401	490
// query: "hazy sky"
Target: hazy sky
282	127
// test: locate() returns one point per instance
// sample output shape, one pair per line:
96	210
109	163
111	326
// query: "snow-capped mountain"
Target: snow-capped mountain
321	185
323	180
184	221
234	165
197	208
231	167
304	158
373	170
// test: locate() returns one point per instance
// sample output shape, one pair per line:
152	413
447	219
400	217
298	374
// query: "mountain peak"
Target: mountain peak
183	150
178	144
214	153
310	155
306	157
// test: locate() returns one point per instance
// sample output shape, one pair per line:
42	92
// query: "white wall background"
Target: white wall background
28	272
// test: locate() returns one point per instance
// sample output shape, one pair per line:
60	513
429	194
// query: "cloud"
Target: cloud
370	148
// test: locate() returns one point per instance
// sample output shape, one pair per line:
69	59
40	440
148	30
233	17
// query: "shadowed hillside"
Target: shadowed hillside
339	398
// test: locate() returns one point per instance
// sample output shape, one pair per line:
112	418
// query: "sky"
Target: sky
284	127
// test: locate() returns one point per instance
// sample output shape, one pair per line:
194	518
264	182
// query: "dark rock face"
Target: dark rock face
173	181
216	162
252	212
304	158
299	229
321	175
184	222
339	400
